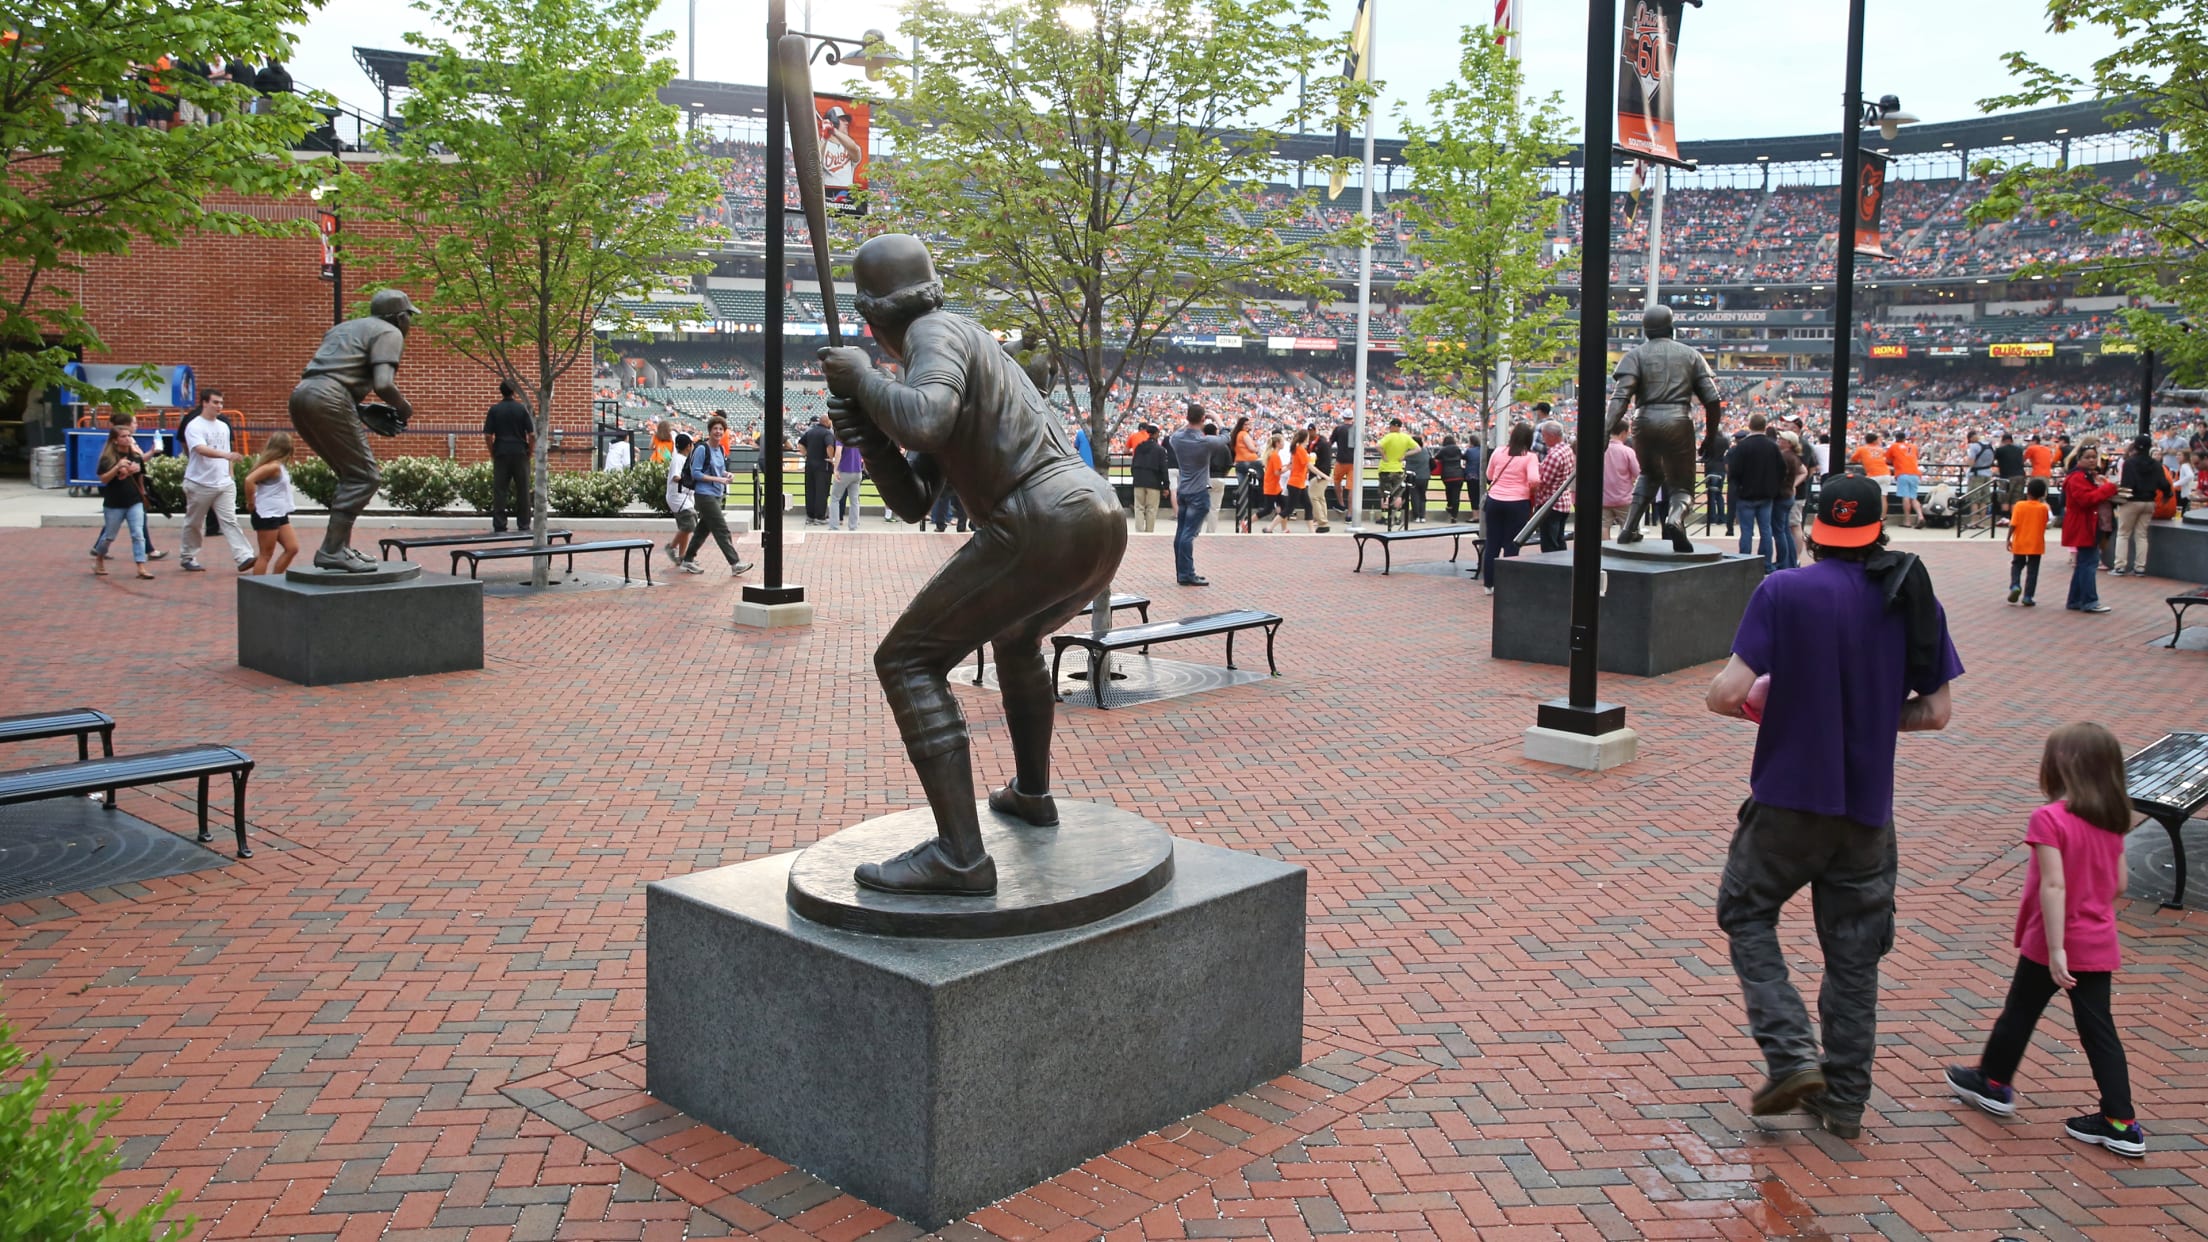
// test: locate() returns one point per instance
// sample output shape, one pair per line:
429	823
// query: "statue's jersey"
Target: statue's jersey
1666	372
351	351
1003	434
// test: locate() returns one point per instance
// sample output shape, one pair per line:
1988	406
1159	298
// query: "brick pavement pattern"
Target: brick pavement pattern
416	1012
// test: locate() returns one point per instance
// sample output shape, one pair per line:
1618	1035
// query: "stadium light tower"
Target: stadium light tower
1887	115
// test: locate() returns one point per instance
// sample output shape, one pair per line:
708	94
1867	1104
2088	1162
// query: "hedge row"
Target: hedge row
426	485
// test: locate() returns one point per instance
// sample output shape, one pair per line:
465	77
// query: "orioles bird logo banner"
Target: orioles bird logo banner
1647	81
1870	201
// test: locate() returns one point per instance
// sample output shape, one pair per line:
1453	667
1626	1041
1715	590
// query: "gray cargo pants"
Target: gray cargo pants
1849	869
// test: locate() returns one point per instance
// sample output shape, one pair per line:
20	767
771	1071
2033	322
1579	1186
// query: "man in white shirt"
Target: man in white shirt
209	487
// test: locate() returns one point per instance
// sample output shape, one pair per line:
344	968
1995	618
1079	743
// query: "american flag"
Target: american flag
1506	24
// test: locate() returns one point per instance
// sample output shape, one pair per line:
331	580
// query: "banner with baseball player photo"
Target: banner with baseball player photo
1647	81
844	122
1870	201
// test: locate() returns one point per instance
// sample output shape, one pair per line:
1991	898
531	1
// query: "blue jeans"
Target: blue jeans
113	519
1189	511
1782	532
2085	590
1754	515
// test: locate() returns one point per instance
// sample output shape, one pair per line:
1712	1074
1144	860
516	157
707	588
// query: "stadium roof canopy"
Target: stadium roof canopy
388	70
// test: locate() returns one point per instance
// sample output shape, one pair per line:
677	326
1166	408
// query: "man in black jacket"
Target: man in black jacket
819	472
1759	477
2008	463
1149	466
510	437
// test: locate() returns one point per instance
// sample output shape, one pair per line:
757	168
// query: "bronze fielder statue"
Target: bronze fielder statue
1665	375
1048	536
329	410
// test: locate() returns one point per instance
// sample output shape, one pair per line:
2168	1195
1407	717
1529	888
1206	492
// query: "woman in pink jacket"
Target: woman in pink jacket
1511	475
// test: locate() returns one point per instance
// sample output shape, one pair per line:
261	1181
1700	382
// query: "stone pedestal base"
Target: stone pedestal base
1658	614
773	616
2178	550
323	635
931	1077
1578	750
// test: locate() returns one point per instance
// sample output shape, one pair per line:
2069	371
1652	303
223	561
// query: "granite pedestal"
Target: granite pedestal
2179	550
933	1076
322	629
1659	613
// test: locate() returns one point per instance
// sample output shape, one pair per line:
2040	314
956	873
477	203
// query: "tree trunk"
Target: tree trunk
540	572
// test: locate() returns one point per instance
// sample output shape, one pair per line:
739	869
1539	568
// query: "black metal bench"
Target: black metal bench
408	544
1455	534
80	722
1120	603
2169	785
1227	623
2179	605
476	556
106	775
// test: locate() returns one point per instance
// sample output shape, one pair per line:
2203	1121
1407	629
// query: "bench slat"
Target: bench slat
1165	631
53	724
448	541
59	780
1423	532
603	545
2173	772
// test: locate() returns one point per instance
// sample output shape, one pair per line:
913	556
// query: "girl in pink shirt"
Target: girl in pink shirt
2066	936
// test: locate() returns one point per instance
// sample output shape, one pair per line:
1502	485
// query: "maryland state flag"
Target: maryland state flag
1870	200
1646	84
1357	67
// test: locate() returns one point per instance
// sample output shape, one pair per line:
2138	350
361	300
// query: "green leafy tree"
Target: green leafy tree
537	179
2155	74
1478	217
75	184
51	1167
1094	165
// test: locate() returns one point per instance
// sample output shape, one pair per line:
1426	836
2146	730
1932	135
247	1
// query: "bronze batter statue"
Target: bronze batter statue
330	411
1048	536
1665	375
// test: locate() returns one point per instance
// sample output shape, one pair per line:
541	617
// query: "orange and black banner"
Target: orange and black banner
1870	201
325	223
1647	81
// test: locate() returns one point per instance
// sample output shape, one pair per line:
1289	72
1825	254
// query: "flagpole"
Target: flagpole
1364	286
1656	237
1509	16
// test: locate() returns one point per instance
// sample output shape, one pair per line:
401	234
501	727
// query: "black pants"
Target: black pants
510	472
1505	518
2029	993
1452	489
817	479
2024	574
1849	869
1713	486
1552	530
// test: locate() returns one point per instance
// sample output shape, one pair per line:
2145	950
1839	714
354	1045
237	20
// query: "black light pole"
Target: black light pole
1580	712
774	590
2146	394
1843	304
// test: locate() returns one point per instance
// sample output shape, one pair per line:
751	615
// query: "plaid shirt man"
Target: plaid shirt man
1556	470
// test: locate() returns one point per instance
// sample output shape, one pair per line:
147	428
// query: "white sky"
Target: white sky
1748	67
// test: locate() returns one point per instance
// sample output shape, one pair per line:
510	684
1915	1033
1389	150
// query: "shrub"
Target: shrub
649	484
474	485
419	484
314	479
165	484
51	1168
593	493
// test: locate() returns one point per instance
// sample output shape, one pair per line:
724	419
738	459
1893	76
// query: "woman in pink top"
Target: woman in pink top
1511	475
2066	936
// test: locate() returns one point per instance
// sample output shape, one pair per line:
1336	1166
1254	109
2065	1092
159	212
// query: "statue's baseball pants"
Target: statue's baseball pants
323	414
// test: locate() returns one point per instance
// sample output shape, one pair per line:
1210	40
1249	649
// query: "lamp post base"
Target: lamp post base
1591	752
773	608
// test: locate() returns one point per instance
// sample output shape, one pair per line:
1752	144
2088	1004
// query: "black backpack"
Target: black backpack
688	479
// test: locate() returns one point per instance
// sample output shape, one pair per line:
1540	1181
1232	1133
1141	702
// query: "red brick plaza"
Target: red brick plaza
417	1011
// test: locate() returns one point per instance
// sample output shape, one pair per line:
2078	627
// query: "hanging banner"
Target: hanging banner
325	223
1647	83
844	123
1870	201
1355	68
1889	351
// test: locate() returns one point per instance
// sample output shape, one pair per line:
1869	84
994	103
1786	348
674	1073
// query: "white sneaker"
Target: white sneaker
692	567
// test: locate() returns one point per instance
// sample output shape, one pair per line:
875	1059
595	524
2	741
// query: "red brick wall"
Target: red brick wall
247	312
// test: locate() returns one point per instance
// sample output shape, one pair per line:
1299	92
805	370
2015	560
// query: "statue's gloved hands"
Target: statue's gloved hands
845	367
849	422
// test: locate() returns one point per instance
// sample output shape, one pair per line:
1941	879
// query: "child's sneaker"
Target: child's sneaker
2093	1128
2015	594
1971	1087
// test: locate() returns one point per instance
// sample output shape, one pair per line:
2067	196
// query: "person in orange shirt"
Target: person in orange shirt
1870	456
1276	495
2039	460
1247	465
1901	456
2027	542
1298	483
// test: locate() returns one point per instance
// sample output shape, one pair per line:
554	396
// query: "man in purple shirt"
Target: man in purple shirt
843	494
1833	661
